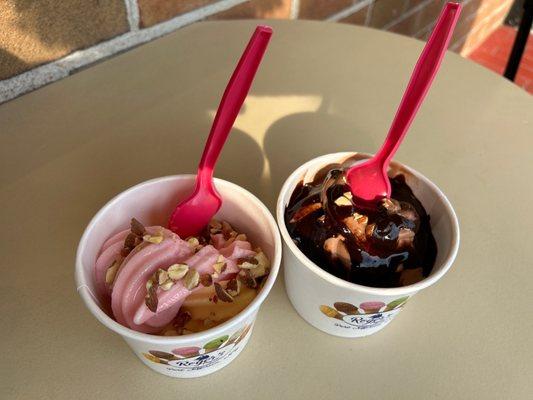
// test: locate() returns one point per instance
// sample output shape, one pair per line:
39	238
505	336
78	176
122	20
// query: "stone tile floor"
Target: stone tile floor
494	52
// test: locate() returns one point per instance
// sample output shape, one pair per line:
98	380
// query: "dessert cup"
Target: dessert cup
346	309
196	354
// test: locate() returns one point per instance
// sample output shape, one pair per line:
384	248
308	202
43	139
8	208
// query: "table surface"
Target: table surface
69	147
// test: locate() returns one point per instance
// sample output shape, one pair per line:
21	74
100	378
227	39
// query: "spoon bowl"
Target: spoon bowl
193	214
368	181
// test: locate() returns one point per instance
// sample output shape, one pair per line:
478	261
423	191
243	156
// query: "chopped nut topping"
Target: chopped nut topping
369	230
241	236
177	271
151	299
167	285
129	244
247	279
161	275
206	280
191	279
215	227
130	241
149	284
222	294
305	211
194	243
137	228
343	201
247	263
392	206
111	272
262	259
220	266
233	287
357	225
228	231
153	239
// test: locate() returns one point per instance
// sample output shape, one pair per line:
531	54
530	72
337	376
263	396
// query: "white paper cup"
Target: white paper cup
196	354
342	308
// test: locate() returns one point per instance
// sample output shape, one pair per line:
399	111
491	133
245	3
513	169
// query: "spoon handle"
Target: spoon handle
234	95
420	82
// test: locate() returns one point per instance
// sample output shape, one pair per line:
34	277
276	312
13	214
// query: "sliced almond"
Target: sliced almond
137	228
153	239
111	273
177	271
167	285
234	287
222	294
206	280
162	276
191	279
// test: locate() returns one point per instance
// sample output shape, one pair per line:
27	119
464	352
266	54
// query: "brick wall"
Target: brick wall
42	41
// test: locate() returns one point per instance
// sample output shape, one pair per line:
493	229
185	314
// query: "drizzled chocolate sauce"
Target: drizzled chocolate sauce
389	244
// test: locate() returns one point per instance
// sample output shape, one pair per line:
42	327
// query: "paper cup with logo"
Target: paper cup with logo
342	308
195	354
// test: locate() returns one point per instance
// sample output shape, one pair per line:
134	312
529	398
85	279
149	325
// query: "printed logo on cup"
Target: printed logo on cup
369	314
195	358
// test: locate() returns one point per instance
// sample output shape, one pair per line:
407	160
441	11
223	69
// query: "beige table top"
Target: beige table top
69	147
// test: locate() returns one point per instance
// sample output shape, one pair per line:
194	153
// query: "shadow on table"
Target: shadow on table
149	154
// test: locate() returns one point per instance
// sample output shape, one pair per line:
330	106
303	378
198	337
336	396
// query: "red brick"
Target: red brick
386	11
409	26
430	13
152	12
320	9
357	18
36	32
257	9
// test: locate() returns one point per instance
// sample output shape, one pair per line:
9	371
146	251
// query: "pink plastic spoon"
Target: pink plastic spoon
194	213
368	180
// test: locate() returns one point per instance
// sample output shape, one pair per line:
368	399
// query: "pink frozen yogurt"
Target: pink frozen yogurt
129	259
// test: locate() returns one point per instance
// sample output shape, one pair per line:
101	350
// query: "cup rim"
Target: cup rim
110	323
397	291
